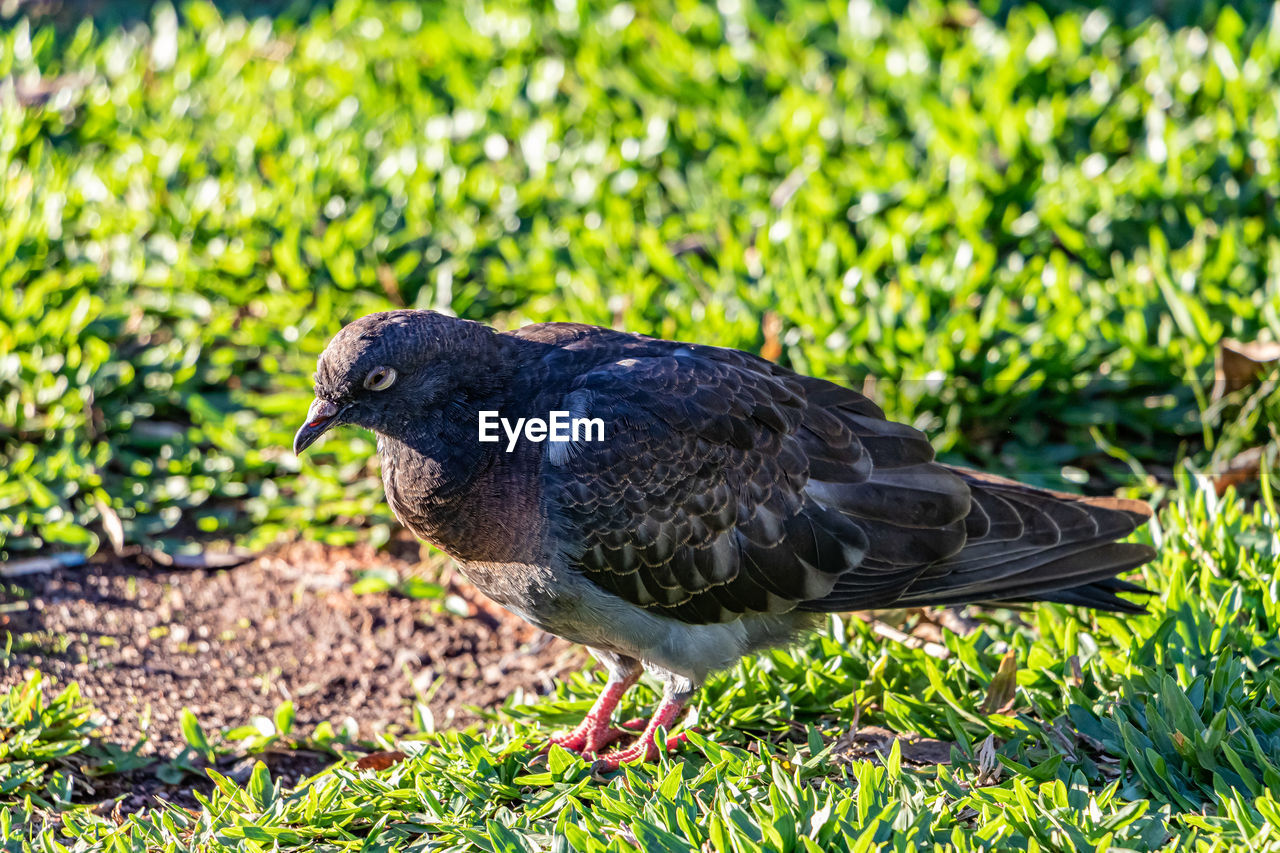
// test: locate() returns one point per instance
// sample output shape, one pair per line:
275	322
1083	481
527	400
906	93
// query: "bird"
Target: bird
727	504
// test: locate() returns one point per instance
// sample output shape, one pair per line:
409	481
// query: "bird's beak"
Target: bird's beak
320	417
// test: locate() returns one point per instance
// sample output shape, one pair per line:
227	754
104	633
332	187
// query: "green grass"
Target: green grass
1033	229
38	738
1125	733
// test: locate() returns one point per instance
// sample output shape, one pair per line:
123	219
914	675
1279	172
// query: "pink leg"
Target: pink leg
594	732
646	747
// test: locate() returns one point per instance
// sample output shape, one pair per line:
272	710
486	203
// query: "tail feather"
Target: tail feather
1023	544
1101	595
1046	581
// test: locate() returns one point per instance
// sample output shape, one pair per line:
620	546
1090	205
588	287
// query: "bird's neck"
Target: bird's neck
457	492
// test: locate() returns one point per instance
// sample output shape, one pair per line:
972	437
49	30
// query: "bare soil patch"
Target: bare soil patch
145	642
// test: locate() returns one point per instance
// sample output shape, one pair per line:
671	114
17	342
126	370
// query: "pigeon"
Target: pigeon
713	504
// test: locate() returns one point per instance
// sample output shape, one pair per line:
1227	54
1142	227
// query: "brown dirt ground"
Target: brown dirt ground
145	642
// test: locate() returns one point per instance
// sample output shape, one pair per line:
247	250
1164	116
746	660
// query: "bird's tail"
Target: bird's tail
1028	544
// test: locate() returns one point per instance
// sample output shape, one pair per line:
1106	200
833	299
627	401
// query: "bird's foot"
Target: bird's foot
646	747
588	738
594	732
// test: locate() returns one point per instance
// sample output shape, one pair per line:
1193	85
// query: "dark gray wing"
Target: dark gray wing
727	485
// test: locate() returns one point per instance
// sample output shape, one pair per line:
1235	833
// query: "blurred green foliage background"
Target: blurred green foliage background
1033	228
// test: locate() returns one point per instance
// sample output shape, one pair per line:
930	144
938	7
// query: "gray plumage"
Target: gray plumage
731	501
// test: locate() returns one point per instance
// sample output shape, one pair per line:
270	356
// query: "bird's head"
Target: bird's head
383	370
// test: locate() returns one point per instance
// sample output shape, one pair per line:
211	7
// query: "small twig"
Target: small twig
931	649
38	565
390	286
792	183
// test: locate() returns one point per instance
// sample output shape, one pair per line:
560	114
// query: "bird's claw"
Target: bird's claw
585	742
591	736
643	750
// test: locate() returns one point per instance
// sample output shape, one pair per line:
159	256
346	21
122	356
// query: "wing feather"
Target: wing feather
727	485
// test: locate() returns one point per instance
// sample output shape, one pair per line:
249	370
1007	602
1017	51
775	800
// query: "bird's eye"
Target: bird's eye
380	378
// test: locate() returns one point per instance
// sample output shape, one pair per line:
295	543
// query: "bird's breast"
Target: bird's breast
474	509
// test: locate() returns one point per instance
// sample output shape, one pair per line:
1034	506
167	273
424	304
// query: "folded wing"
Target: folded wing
727	485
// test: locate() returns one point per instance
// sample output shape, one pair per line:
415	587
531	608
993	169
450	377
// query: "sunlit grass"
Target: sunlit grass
1032	231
